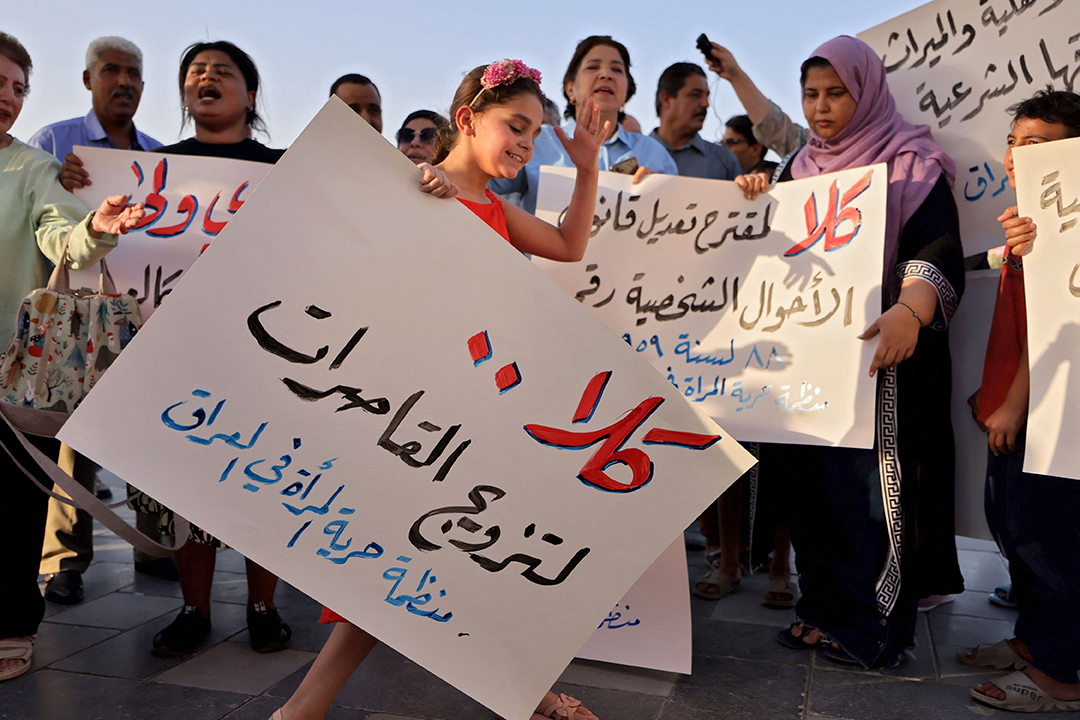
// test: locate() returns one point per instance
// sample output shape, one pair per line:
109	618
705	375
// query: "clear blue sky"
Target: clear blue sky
416	52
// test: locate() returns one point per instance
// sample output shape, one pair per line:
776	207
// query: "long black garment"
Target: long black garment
867	550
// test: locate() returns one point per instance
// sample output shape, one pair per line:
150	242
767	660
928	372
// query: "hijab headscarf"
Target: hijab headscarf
876	133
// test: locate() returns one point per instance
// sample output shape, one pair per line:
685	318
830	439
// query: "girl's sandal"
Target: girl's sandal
564	707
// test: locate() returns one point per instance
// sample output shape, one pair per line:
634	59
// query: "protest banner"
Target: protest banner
751	309
368	392
650	626
188	199
1048	192
956	65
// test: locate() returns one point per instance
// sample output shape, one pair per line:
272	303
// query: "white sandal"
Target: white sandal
16	649
1023	695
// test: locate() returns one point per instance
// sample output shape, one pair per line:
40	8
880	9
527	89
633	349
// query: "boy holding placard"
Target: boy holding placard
1033	517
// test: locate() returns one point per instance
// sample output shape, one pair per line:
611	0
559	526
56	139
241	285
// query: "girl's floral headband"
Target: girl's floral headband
505	72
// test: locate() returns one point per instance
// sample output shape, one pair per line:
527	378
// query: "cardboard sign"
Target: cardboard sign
189	200
650	626
368	392
956	65
1048	191
752	310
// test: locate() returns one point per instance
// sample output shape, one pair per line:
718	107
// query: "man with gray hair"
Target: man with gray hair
113	75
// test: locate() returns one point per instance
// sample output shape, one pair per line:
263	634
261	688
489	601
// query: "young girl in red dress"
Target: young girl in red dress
495	118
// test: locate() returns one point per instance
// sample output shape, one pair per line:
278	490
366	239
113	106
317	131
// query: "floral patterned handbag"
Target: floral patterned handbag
64	341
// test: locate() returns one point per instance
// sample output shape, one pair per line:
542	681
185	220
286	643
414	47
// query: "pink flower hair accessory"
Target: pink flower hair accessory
505	72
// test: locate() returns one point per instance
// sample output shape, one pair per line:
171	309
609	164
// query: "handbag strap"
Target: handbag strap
12	438
60	281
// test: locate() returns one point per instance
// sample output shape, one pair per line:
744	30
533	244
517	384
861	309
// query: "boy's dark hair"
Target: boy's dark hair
13	50
1057	107
580	52
246	66
355	79
674	78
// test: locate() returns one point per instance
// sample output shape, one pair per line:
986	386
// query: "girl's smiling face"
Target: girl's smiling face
215	91
503	136
827	104
12	93
601	76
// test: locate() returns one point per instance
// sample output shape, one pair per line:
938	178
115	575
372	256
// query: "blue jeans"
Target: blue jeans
1036	521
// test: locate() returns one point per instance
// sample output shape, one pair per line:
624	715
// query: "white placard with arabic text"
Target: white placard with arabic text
396	412
956	65
1048	191
188	199
752	309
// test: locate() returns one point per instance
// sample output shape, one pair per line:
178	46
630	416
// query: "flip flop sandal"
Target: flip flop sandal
564	707
996	656
723	582
16	649
1003	597
779	586
795	642
839	656
1023	695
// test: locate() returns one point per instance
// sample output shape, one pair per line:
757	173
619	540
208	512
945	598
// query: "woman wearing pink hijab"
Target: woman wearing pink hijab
873	529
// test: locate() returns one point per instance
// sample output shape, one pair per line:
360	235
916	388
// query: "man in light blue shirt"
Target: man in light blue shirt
548	150
113	75
682	104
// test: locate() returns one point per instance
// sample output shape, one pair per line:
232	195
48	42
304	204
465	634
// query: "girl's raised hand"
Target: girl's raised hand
1019	232
434	181
589	136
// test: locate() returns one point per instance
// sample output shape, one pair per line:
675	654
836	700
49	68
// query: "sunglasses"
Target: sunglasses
406	135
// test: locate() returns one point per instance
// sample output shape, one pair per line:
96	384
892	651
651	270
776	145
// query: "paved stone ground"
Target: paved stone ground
93	661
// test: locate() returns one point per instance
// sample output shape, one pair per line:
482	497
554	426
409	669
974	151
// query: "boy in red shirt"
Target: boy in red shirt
1035	518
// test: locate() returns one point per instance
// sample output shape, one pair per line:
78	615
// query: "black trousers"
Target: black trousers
23	509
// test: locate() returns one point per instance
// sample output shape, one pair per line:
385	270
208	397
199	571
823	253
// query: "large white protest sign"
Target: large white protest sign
189	200
751	309
650	626
956	65
368	392
1048	191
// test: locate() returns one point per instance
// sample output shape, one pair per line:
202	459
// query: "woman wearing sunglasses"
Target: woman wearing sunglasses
416	138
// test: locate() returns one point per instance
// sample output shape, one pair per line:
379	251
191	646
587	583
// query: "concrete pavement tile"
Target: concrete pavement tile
982	571
56	641
262	707
744	605
128	655
121	611
149	585
738	689
235	667
963	631
230	561
614	704
54	695
952	667
743	640
99	580
874	697
590	673
398	688
108	548
974	603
